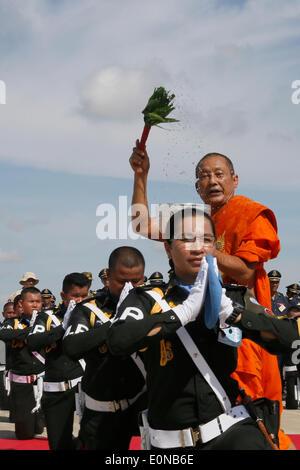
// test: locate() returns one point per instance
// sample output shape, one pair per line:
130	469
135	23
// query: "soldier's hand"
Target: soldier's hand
139	160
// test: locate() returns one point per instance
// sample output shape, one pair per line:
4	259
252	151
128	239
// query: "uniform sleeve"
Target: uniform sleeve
39	337
8	333
261	242
285	330
128	332
80	336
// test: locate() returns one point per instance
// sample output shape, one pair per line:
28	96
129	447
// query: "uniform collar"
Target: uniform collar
24	319
60	311
112	297
175	281
107	300
174	287
187	288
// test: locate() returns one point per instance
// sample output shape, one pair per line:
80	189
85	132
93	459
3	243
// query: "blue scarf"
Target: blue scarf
213	294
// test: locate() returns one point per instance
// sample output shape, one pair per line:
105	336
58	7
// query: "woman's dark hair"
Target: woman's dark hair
180	215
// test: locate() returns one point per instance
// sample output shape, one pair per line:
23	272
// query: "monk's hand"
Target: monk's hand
190	308
139	160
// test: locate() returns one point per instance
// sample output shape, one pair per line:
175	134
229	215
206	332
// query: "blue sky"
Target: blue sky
78	74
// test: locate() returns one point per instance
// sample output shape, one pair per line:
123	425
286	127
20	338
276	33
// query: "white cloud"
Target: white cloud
116	92
83	71
78	74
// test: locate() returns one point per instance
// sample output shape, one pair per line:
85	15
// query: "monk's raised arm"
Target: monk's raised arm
142	223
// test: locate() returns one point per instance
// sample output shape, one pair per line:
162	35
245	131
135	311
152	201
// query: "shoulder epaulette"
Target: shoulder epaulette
146	287
143	287
97	295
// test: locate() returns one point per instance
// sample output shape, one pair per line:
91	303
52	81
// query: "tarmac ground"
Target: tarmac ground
290	421
290	424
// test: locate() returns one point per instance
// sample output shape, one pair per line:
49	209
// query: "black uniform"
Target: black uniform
280	305
114	387
287	343
286	330
291	373
4	404
8	347
62	376
25	369
180	399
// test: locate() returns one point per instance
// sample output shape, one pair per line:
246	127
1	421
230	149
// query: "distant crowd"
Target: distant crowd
13	307
287	303
284	304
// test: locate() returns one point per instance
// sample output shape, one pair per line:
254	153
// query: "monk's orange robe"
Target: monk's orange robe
247	229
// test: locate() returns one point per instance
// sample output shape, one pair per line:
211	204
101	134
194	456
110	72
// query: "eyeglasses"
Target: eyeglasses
204	175
205	240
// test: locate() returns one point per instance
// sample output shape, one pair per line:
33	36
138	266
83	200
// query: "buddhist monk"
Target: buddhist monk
246	239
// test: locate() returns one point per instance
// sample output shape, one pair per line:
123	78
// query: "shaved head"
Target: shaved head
215	154
126	256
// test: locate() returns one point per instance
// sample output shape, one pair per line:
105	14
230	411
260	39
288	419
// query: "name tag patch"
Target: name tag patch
230	335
